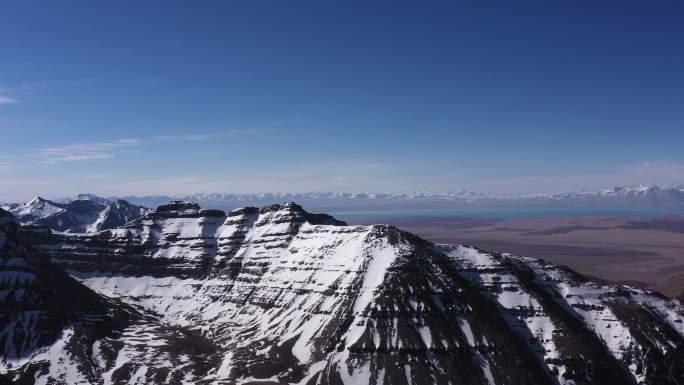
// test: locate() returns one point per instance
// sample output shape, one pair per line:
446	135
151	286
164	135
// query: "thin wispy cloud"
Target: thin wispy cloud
8	93
200	137
78	152
89	151
18	88
184	138
7	166
242	132
4	99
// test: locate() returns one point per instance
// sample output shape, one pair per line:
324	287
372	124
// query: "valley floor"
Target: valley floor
647	253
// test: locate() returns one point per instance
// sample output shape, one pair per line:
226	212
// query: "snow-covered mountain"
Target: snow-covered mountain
85	213
55	330
278	295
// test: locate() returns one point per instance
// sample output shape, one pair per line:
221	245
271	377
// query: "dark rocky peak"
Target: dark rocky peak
121	204
395	236
55	330
178	208
40	300
6	218
178	205
212	213
292	212
173	210
81	206
36	200
126	208
243	211
276	213
288	206
8	225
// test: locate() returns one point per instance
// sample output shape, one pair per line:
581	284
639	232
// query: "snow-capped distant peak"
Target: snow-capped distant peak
640	191
91	198
37	208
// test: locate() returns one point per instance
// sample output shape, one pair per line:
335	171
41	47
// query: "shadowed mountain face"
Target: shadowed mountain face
279	295
54	330
88	213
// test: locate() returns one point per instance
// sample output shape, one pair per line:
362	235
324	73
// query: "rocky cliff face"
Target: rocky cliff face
54	330
279	295
87	214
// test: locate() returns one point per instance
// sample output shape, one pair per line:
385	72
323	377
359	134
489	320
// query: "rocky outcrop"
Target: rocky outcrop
55	330
285	296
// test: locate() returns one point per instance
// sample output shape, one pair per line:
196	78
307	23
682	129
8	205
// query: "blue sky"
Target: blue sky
173	97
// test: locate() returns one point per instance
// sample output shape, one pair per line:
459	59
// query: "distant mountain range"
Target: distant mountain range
630	197
84	213
90	213
227	200
642	191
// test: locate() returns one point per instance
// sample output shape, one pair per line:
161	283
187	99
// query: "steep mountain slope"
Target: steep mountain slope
293	297
87	213
54	330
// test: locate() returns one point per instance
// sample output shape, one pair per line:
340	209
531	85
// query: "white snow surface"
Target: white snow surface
589	302
37	208
326	262
292	283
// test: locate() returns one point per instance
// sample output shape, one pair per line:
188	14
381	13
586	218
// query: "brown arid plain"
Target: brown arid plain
647	253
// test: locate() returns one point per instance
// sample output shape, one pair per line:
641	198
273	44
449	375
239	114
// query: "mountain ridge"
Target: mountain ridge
287	296
86	213
55	330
